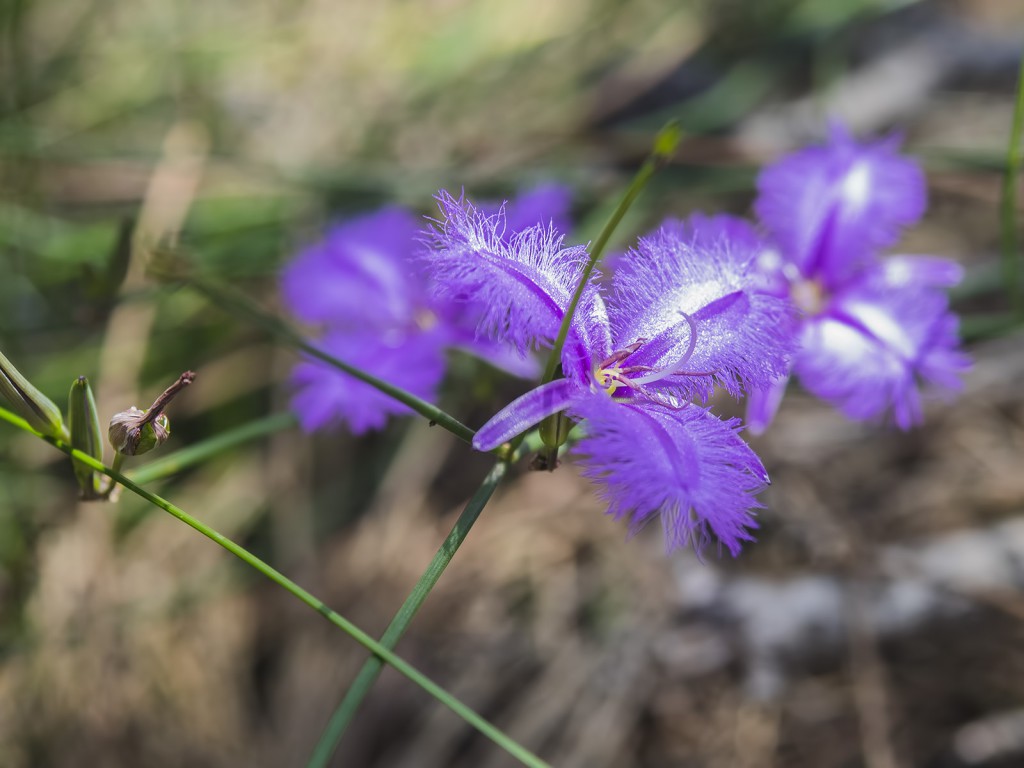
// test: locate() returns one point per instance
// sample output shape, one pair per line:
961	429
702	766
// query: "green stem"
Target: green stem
173	463
665	144
1008	208
386	655
111	482
372	667
554	429
237	302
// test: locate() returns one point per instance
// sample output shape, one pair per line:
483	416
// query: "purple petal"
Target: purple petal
460	320
685	465
763	404
920	271
501	356
325	396
743	336
867	354
523	412
524	285
832	208
362	272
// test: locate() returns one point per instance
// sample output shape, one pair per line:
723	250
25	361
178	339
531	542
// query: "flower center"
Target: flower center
425	319
809	296
609	374
609	378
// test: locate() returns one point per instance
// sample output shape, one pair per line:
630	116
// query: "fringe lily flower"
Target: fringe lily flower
682	317
364	285
873	330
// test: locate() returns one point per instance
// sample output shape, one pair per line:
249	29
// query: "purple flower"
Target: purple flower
832	208
365	285
358	274
682	317
873	330
412	359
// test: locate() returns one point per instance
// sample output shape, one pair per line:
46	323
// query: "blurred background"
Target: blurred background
879	619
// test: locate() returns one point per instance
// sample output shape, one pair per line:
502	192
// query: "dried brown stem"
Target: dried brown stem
165	398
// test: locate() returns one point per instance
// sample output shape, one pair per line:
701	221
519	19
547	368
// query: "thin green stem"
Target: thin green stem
555	429
665	144
386	655
173	463
372	667
1008	207
238	303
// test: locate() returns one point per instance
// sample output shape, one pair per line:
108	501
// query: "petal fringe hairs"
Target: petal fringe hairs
698	305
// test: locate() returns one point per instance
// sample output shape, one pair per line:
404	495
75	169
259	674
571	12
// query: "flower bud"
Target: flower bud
132	434
85	436
31	404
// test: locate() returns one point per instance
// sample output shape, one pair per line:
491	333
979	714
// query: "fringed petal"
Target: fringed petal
684	465
743	336
523	286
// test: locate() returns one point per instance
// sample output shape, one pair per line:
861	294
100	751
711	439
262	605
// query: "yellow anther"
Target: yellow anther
607	379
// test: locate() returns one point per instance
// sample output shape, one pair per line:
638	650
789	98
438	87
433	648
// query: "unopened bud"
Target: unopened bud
134	432
31	404
86	436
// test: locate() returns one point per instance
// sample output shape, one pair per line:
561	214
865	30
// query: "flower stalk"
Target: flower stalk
372	667
554	430
238	303
386	655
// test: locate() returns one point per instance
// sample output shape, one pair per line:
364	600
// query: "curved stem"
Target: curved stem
372	667
384	654
237	302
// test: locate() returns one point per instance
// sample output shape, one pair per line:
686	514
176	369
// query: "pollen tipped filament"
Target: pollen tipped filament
609	373
610	378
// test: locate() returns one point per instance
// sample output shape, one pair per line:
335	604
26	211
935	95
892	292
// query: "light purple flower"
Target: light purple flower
359	274
832	208
366	287
682	317
873	329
